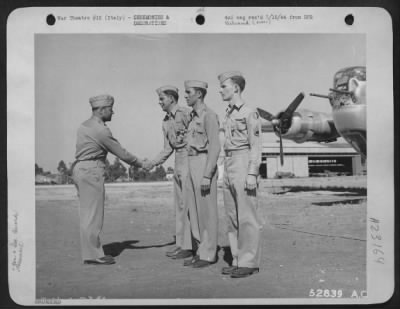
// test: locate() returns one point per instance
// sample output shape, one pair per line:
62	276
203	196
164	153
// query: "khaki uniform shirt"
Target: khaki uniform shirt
242	128
94	141
174	126
203	137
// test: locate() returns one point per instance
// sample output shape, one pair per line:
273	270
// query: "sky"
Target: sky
70	68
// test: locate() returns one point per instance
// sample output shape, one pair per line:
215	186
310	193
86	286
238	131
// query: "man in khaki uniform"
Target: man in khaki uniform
94	141
174	126
242	146
203	150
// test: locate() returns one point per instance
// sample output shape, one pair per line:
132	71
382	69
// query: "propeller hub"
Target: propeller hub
276	122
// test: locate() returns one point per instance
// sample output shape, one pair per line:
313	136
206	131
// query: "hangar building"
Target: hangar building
310	159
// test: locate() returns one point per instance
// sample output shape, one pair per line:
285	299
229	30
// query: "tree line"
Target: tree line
113	172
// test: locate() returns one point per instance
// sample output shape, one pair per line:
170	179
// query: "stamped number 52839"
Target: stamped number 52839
325	293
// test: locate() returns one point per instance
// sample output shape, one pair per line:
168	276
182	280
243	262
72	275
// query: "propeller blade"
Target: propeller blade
280	147
264	114
286	116
293	106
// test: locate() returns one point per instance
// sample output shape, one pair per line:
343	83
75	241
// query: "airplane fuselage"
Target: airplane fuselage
349	106
350	121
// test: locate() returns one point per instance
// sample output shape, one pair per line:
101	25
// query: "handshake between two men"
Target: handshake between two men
147	164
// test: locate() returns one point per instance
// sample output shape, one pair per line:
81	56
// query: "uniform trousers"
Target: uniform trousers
243	225
89	180
182	224
202	209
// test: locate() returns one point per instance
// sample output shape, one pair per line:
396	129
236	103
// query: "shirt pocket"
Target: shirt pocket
180	129
199	128
179	125
239	132
240	125
180	132
200	134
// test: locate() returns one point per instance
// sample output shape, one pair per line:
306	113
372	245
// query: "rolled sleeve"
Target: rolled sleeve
254	135
211	126
112	145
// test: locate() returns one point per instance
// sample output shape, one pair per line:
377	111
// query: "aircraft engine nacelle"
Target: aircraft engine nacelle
311	126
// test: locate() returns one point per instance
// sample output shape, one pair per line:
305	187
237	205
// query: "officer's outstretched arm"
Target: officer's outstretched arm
112	145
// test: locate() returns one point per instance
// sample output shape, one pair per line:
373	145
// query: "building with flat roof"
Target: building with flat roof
310	159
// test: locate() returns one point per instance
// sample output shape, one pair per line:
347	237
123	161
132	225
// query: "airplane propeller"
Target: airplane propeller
282	121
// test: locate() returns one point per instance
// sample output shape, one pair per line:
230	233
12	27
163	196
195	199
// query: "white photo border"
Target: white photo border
24	23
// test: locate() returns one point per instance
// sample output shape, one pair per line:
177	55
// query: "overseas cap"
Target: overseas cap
164	88
101	100
195	84
224	76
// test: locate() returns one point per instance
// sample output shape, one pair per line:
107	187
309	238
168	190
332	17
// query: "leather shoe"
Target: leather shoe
242	272
105	260
228	270
190	262
201	264
172	252
182	254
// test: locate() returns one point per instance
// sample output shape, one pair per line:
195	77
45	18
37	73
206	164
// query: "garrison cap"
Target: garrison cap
101	100
164	88
224	76
195	84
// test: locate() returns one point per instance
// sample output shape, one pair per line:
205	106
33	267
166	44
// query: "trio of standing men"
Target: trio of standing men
194	136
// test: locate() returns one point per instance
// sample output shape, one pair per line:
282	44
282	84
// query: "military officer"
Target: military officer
242	147
94	141
203	150
174	126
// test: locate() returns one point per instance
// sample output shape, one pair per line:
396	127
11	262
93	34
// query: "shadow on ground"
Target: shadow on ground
116	248
227	255
342	202
349	191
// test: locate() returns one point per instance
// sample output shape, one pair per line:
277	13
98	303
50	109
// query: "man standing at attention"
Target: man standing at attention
242	129
94	141
174	126
203	150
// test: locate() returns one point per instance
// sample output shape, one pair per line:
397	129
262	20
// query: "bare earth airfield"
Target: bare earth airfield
313	241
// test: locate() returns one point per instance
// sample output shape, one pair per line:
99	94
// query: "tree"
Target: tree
140	174
63	171
69	173
131	173
117	170
38	170
170	170
62	168
107	171
159	173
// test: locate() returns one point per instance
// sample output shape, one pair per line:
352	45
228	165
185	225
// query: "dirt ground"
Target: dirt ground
313	241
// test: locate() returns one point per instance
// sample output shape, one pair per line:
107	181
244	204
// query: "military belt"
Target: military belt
183	149
194	152
230	153
101	161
